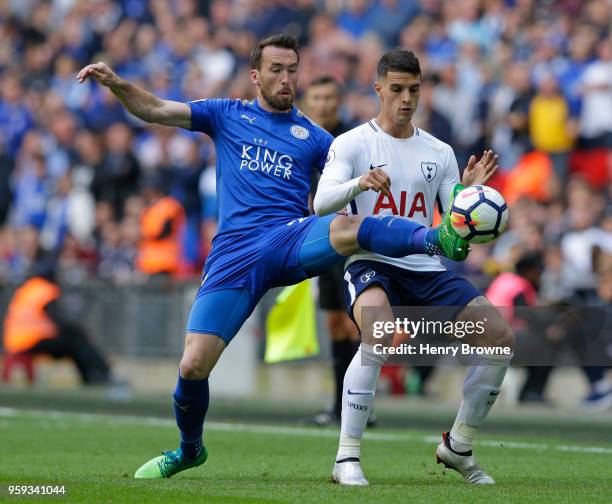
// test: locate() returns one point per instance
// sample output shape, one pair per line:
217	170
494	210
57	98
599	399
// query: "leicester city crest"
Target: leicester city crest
299	132
429	170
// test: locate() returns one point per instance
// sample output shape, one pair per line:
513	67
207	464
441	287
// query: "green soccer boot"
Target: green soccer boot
443	240
168	464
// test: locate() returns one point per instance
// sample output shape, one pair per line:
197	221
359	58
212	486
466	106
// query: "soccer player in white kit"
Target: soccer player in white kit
387	166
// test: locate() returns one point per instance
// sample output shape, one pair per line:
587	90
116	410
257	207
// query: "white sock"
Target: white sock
480	390
358	400
349	447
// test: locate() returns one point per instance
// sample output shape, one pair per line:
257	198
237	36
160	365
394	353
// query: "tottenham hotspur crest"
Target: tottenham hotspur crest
429	170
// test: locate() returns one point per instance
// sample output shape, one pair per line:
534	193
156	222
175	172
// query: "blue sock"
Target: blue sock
391	236
191	399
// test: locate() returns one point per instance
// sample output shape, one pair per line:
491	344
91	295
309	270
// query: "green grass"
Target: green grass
95	459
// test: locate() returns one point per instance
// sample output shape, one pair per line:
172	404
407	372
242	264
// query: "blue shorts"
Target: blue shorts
241	269
406	287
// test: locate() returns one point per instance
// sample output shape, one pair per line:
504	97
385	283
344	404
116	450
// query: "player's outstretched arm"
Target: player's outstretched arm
139	102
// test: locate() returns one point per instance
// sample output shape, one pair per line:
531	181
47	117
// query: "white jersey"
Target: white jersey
422	170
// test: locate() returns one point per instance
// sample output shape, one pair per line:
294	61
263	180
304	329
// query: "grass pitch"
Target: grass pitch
95	457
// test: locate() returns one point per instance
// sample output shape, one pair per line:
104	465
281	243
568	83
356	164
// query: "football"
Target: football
479	214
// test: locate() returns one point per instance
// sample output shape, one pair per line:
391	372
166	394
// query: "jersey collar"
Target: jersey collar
376	127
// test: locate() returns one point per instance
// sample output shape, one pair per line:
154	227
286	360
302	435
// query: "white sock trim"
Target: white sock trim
349	447
464	434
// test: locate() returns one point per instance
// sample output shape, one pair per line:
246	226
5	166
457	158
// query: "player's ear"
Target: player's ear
377	87
254	75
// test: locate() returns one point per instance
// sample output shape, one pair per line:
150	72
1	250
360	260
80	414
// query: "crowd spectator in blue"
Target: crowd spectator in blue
7	164
52	128
15	117
118	175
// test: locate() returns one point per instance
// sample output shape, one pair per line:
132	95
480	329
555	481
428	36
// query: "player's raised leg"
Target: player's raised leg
395	237
215	319
481	386
358	395
333	237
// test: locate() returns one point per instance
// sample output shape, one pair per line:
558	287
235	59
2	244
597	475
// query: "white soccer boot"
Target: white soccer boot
465	464
349	473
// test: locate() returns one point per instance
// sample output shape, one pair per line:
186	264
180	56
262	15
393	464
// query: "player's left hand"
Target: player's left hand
480	172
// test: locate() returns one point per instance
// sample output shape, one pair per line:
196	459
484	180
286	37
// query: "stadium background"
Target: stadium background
530	79
522	77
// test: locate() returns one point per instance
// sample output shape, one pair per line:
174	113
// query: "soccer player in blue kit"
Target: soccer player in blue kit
266	150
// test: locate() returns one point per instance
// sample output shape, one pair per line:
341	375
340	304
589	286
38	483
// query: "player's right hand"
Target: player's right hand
101	72
377	180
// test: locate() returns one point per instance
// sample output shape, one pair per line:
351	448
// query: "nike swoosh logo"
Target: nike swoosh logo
378	166
358	393
183	408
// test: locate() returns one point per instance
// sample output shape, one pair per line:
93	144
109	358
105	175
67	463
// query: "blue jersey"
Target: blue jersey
264	162
265	237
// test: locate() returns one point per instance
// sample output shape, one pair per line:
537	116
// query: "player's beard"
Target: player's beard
280	103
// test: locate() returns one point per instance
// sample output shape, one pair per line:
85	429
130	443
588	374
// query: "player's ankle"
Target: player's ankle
347	459
349	447
192	450
432	243
459	445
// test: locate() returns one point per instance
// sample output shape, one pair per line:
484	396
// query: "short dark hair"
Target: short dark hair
284	40
398	60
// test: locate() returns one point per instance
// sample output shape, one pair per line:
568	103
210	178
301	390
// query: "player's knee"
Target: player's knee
200	355
193	367
505	338
501	336
343	234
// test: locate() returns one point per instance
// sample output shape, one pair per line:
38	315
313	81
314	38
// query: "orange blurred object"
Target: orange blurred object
530	177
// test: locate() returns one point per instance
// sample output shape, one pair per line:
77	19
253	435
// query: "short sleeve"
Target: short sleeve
207	114
324	144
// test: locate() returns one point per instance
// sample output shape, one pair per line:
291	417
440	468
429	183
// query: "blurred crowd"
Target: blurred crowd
531	79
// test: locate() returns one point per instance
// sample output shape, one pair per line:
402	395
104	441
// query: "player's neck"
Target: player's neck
394	129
